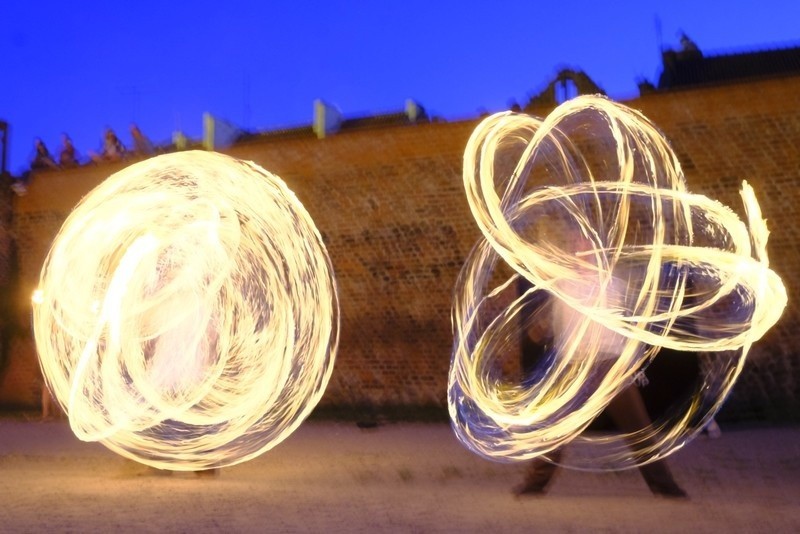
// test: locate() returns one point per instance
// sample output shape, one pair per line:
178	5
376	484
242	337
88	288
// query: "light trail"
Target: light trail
187	315
589	207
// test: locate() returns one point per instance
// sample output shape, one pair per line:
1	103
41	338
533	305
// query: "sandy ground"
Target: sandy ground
335	477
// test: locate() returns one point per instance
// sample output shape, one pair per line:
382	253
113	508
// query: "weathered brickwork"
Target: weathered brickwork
390	205
7	274
749	131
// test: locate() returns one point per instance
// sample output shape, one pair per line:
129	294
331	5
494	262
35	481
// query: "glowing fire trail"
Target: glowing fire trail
589	208
187	315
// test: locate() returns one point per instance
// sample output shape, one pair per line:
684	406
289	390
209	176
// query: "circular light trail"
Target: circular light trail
186	315
593	246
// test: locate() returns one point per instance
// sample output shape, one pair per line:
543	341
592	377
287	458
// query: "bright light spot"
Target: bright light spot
37	297
187	313
607	259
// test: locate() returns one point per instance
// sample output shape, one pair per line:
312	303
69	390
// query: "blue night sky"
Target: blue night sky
261	64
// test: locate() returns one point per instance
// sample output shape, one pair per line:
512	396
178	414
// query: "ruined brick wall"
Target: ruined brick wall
390	205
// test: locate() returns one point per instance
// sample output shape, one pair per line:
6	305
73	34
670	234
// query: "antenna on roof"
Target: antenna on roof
246	100
659	37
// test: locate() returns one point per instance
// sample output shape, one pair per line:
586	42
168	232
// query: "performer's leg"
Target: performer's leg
538	475
49	410
629	414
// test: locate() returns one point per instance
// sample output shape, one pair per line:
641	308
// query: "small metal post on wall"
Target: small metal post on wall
3	146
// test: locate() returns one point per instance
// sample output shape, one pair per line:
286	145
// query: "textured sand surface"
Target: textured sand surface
335	477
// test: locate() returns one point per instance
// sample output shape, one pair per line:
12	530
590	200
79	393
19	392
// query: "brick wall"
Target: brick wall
749	131
7	277
391	208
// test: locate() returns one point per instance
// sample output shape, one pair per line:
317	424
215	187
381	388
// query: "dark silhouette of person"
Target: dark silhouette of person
68	157
113	149
142	147
627	410
41	156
